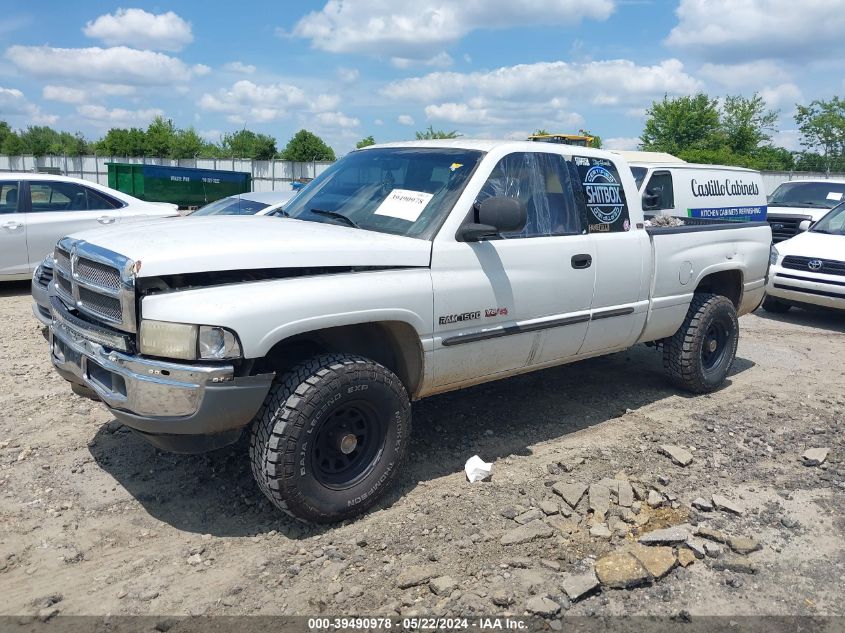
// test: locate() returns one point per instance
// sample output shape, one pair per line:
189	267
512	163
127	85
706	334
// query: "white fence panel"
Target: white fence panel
267	175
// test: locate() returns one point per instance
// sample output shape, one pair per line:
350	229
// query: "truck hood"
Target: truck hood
816	213
208	244
811	244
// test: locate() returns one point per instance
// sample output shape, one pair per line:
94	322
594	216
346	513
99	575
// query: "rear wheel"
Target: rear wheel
770	304
700	354
330	437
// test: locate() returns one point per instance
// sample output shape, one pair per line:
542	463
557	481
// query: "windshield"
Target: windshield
639	175
404	191
808	194
233	205
833	223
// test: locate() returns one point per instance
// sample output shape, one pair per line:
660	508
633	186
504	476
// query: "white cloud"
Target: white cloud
136	27
212	136
119	65
247	101
790	139
14	103
618	80
441	60
115	90
740	30
782	96
461	114
744	76
621	142
239	67
347	75
337	119
117	116
64	94
378	122
420	29
405	119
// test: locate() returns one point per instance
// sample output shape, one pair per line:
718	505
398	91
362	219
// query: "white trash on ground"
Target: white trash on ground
477	469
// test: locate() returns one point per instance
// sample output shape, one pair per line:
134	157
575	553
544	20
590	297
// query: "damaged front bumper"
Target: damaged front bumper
177	407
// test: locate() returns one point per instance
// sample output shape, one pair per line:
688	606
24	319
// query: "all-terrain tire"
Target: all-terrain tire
315	413
700	354
770	304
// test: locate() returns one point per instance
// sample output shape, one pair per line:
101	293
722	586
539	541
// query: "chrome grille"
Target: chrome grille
96	282
99	274
62	258
102	305
64	285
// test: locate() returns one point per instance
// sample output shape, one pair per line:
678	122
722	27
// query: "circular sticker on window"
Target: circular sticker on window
604	198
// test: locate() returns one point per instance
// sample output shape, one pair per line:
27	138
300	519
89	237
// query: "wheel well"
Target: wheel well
727	283
394	344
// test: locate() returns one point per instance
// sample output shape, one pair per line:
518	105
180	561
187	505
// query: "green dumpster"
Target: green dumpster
185	186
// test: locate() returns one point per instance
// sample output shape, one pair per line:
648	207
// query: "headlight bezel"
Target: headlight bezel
182	341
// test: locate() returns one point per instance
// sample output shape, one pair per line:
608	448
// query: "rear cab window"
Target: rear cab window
603	195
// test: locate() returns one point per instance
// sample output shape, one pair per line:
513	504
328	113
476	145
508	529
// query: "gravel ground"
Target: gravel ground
95	521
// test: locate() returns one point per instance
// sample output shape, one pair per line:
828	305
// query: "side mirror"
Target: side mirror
805	225
495	215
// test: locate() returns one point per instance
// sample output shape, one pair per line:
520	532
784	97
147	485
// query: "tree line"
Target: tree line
162	139
738	131
733	130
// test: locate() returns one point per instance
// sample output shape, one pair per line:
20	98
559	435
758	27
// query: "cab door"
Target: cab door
523	299
13	252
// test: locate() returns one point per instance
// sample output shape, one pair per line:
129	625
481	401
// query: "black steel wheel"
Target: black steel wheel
330	437
700	354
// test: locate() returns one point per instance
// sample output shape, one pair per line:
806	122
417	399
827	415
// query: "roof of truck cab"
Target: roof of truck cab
636	156
487	145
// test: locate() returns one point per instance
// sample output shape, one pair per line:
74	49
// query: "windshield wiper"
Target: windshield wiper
335	214
821	231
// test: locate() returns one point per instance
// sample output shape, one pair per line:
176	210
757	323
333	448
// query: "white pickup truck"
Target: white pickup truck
403	271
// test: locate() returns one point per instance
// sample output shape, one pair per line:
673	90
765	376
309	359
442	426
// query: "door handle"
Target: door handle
582	261
104	219
12	225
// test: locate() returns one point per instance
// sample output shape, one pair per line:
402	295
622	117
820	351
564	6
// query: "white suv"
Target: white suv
38	209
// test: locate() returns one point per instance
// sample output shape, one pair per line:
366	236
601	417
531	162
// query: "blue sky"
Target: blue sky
346	69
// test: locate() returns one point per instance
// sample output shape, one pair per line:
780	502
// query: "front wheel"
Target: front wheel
700	354
330	437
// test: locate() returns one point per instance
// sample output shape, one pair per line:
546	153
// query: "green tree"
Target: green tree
306	146
540	132
12	145
159	137
187	144
365	142
822	126
681	123
431	133
596	142
747	123
248	144
122	142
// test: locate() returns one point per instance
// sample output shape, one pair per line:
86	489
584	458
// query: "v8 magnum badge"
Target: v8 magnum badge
604	199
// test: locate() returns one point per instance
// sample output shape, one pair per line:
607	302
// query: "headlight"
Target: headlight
187	342
773	255
218	343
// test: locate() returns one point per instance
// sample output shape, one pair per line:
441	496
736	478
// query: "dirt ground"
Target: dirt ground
95	521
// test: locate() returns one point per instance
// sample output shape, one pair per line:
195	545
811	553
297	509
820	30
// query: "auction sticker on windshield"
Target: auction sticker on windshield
404	204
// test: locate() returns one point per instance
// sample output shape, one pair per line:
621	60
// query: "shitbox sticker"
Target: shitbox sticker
607	209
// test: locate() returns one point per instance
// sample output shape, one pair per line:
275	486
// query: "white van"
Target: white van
670	186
